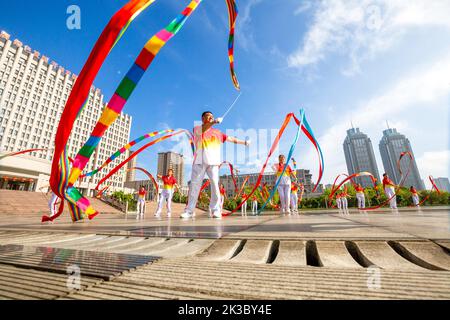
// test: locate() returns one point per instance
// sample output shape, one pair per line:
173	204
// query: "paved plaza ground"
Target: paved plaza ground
318	254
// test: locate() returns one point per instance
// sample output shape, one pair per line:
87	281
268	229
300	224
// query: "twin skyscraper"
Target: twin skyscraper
360	157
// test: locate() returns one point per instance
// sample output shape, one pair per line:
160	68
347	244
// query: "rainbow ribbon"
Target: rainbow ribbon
232	17
149	175
79	94
305	127
291	152
61	182
119	99
126	147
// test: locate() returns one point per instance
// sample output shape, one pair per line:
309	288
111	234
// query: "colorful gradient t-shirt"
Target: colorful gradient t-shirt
208	145
169	182
286	178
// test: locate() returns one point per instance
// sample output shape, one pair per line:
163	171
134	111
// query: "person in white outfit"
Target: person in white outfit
284	187
389	190
338	201
414	196
141	203
360	197
169	182
244	205
344	201
254	206
208	142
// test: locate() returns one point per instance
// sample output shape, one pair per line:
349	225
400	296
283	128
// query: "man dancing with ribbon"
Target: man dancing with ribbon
208	141
389	190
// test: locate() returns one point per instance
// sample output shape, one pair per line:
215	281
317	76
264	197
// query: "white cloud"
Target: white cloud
435	163
363	28
305	6
244	30
411	99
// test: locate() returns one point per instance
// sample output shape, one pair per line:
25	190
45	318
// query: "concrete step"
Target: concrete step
27	284
254	251
269	281
291	253
380	254
221	250
334	254
431	255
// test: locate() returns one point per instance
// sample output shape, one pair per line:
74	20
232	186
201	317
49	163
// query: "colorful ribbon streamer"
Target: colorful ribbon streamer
136	153
126	147
288	159
12	154
433	186
80	92
242	187
63	183
149	175
232	16
306	128
233	177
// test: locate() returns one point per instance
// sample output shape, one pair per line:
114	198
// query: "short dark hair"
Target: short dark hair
384	174
205	113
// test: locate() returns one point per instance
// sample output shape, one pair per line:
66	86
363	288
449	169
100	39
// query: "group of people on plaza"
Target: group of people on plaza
389	190
207	160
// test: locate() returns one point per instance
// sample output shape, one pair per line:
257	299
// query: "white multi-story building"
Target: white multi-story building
33	94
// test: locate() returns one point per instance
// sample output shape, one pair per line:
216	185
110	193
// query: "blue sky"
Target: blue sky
341	60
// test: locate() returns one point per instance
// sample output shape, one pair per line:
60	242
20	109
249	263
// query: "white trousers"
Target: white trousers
166	195
361	200
294	201
244	208
52	204
390	192
284	191
344	203
338	203
254	206
198	173
141	206
415	199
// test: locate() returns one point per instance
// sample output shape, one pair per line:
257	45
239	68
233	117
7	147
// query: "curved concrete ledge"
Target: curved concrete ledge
334	254
254	251
291	253
383	256
220	250
428	252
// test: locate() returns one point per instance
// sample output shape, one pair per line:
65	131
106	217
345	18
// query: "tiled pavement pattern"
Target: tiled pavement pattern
317	255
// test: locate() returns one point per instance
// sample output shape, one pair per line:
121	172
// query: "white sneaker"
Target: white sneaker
217	215
186	215
169	214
